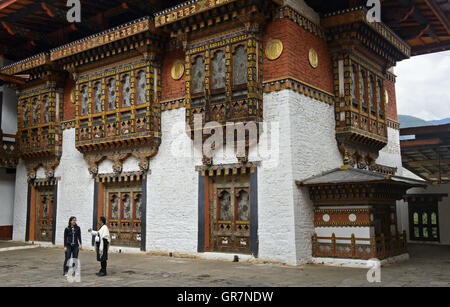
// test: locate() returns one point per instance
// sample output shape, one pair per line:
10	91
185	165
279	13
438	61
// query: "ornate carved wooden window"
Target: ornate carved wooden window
142	88
97	97
84	100
225	211
223	81
36	111
26	114
46	109
121	99
380	105
126	91
37	122
218	70
424	221
198	75
243	208
240	72
354	84
370	93
111	94
362	86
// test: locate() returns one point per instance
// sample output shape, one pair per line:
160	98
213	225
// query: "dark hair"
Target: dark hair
103	219
70	220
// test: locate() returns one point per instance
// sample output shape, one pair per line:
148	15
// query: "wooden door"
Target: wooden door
230	215
123	212
44	214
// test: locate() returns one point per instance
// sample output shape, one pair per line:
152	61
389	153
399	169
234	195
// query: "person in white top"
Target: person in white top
102	241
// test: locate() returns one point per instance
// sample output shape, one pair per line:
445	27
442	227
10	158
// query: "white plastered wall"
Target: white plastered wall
7	182
172	190
75	190
391	156
307	147
20	203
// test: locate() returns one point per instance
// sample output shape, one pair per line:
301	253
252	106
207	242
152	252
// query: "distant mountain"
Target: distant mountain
407	121
441	122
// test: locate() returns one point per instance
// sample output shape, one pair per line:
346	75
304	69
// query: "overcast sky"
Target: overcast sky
423	86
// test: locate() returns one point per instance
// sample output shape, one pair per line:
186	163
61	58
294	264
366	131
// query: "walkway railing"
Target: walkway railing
359	248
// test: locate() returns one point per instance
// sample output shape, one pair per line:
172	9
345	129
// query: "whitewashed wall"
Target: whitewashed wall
20	203
307	147
391	155
75	190
172	190
7	183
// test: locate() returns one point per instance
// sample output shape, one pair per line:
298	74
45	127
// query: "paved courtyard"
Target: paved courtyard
428	266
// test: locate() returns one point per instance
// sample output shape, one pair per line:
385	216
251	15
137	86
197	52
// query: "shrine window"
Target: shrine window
26	114
240	72
97	97
141	88
362	86
84	100
36	112
225	211
243	208
423	218
126	91
218	70
198	75
380	105
370	95
111	94
354	84
46	109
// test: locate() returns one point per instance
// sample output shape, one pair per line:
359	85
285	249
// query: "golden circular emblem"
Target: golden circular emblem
274	49
313	58
386	96
177	70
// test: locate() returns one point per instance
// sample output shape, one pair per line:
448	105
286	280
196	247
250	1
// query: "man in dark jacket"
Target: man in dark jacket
72	242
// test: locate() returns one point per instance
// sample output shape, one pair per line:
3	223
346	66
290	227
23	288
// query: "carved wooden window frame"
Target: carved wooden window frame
242	86
221	90
193	61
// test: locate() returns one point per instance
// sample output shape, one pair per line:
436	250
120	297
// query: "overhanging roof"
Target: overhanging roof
30	27
349	175
423	24
428	154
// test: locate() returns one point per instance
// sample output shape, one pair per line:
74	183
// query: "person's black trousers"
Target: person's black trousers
71	251
103	264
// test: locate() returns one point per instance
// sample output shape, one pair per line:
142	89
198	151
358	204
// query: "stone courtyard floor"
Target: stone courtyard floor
428	266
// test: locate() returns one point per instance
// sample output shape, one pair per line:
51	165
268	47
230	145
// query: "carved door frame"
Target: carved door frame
206	210
128	225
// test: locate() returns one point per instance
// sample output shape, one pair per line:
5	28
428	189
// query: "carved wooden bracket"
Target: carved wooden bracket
144	155
49	164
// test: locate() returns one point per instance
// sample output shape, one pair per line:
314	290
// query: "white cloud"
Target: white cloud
423	86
